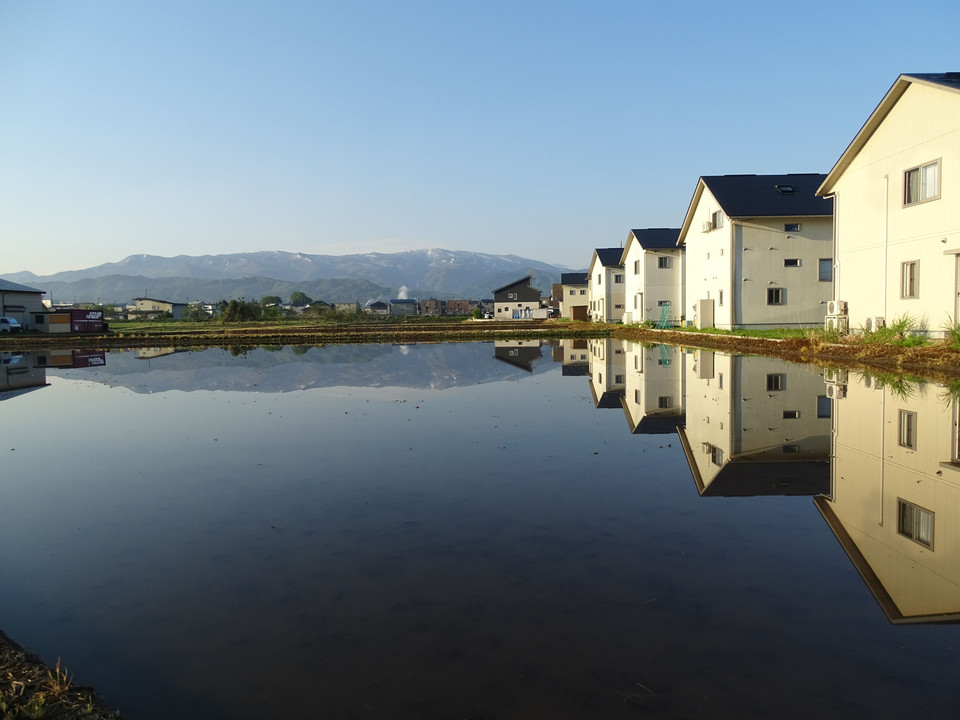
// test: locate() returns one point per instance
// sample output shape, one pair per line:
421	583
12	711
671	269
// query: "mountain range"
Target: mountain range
363	278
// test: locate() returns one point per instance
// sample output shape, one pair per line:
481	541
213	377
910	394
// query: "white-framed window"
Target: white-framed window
664	402
618	307
636	267
910	279
583	292
791	262
921	183
716	220
908	430
511	296
776	382
825	270
915	522
664	262
716	455
572	291
776	296
619	379
618	278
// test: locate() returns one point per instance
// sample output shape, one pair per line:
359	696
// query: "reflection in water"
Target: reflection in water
449	531
755	426
894	500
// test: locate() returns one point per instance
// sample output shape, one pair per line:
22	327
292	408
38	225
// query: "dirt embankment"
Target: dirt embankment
937	361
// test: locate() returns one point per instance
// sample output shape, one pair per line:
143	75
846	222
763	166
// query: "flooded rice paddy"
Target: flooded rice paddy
588	529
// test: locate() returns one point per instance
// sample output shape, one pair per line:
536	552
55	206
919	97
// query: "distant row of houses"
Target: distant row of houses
845	249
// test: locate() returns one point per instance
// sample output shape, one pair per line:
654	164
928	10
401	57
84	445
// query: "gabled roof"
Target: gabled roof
522	280
609	257
656	238
579	278
949	82
9	286
757	196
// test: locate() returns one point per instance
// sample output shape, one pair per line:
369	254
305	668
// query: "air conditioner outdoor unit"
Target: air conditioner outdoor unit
707	226
879	322
836	392
837	323
835	376
836	307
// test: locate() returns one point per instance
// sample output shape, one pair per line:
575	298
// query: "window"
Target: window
720	301
791	448
511	296
716	220
908	430
776	382
791	262
599	279
716	456
619	379
915	523
636	267
636	396
618	278
720	380
775	296
910	279
661	303
824	406
618	307
785	189
664	263
791	227
664	401
791	414
572	291
583	292
825	270
921	183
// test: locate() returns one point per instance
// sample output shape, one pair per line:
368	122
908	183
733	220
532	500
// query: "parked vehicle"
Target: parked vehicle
9	324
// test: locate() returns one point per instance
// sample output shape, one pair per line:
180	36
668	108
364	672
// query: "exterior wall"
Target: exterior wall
573	297
708	265
873	471
762	249
22	306
875	232
735	265
647	285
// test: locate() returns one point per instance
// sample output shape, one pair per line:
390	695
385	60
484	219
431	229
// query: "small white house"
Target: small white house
606	287
652	265
759	252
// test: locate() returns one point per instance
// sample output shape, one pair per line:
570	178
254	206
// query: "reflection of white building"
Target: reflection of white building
894	499
654	388
608	371
573	355
755	426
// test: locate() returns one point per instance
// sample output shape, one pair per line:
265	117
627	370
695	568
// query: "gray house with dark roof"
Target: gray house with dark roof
758	252
21	302
518	300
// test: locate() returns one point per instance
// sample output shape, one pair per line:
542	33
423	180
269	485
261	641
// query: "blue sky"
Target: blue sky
540	129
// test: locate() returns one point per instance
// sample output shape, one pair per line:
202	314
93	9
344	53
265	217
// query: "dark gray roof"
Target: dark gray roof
746	196
609	257
579	278
657	238
948	79
9	286
524	280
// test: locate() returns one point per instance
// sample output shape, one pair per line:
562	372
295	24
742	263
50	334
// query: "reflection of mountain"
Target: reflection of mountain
894	500
285	369
755	426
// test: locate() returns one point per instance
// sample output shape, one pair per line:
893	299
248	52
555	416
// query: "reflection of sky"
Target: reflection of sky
503	550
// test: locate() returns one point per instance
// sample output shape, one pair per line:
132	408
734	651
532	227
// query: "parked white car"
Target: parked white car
9	324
